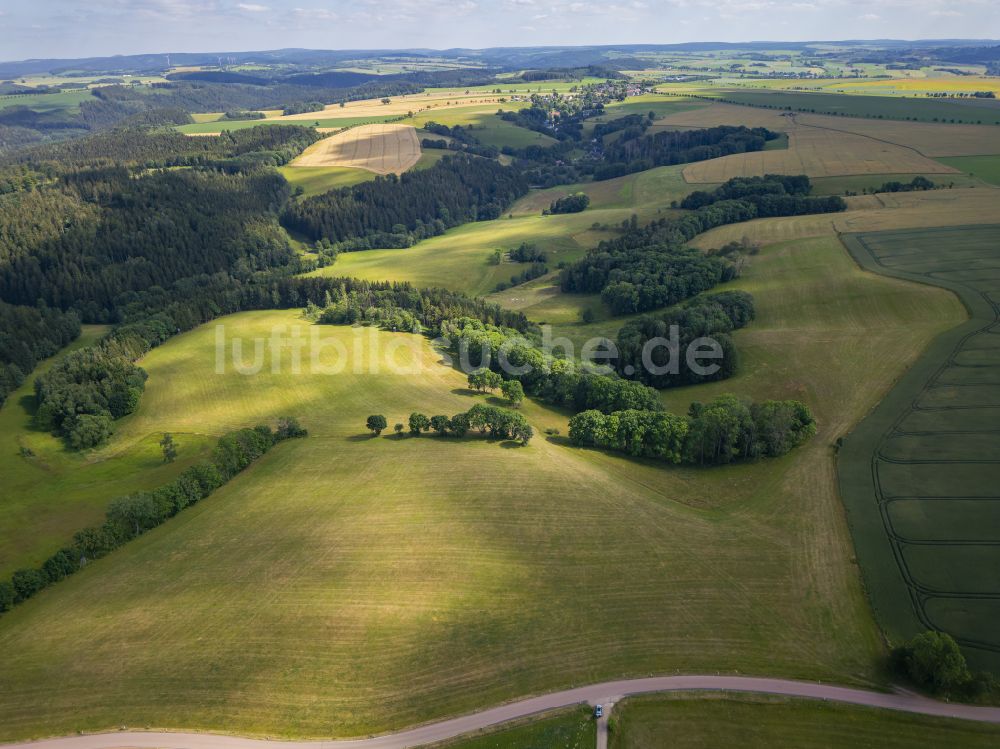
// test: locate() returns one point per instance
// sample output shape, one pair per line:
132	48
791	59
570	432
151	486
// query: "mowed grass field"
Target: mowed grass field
50	496
723	721
345	584
920	476
573	729
382	149
315	180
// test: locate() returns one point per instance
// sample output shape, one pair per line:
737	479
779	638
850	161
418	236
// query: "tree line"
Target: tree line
713	316
395	211
725	430
498	423
130	516
28	335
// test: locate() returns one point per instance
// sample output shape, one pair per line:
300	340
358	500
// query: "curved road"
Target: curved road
606	693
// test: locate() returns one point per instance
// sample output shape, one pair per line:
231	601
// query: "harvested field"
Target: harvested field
818	152
383	149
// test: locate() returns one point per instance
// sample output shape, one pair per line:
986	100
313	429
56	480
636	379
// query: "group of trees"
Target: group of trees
649	350
28	335
485	380
771	195
635	154
86	390
722	431
918	183
499	423
134	514
562	382
933	662
395	211
527	252
574	203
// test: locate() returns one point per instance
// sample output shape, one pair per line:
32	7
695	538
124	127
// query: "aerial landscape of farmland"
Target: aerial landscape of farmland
553	395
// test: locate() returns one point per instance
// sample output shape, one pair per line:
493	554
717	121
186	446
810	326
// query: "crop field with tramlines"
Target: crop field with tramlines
382	149
920	474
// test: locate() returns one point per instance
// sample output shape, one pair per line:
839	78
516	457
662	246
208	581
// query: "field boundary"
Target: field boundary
898	598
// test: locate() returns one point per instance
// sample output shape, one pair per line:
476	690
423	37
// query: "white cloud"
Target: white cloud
870	17
253	7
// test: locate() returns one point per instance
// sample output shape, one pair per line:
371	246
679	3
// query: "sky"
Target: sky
82	28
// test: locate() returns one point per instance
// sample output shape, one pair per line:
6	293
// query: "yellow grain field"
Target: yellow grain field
400	105
382	148
818	152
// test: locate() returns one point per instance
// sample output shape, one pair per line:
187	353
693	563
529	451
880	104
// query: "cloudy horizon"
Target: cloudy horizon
69	29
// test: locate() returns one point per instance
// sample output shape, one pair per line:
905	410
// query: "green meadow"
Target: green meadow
339	562
986	168
760	722
315	180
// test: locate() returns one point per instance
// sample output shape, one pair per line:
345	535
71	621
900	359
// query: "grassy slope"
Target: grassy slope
295	599
572	730
758	722
319	179
468	248
52	495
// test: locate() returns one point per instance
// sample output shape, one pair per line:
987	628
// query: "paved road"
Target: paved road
606	693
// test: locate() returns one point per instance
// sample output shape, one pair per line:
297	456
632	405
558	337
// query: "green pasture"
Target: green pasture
926	458
858	183
693	721
319	179
346	584
55	492
573	729
68	101
487	126
320	593
986	168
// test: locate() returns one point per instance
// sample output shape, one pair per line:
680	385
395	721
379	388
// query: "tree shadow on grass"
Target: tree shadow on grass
361	437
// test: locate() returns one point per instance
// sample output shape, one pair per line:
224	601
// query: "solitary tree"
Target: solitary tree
169	448
398	428
377	422
440	424
513	391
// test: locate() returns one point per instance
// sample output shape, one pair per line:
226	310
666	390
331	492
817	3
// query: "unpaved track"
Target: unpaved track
605	693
